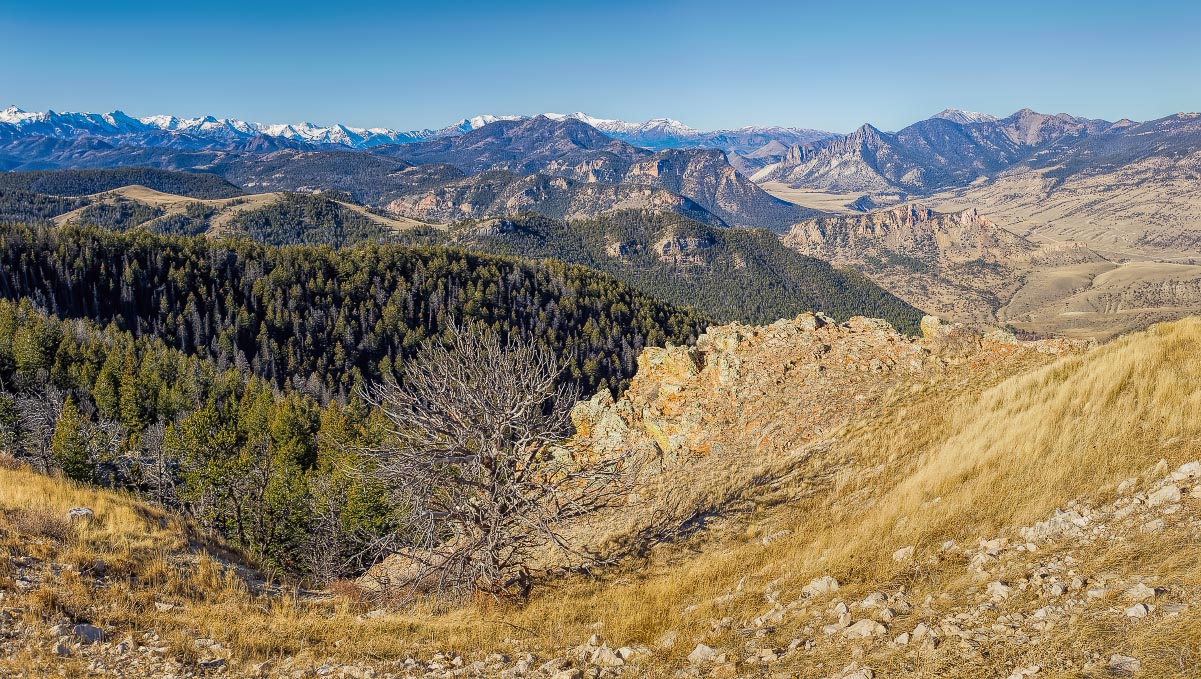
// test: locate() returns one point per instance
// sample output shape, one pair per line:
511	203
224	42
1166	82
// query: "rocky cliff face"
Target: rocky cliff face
497	193
706	177
915	231
958	264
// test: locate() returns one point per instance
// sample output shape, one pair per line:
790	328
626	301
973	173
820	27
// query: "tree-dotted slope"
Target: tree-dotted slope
336	318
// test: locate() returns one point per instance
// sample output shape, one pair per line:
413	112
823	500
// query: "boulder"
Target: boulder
606	657
903	554
1138	611
1139	592
999	590
863	629
1192	470
1169	494
819	586
80	514
88	634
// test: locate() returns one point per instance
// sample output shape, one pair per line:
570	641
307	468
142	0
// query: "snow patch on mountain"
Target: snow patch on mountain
965	117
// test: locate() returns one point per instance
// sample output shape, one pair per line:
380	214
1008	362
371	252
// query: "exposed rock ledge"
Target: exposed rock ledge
770	389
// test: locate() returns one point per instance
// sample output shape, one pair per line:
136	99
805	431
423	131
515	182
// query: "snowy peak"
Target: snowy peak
213	132
965	117
11	115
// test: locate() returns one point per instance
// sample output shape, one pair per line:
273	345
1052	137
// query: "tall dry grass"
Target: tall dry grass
952	460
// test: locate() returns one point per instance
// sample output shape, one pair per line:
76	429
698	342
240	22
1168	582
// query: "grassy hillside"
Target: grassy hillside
968	461
271	218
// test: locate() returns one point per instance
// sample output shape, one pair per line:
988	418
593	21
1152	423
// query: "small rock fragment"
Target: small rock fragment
1124	664
701	655
80	514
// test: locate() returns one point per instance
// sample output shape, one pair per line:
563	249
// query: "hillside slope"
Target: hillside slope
330	318
86	182
729	274
271	218
1004	514
499	193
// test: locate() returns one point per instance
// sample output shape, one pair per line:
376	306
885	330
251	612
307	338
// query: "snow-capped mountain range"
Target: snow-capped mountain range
170	130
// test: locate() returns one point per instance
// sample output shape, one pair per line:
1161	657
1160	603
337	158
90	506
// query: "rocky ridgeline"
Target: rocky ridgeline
749	405
769	390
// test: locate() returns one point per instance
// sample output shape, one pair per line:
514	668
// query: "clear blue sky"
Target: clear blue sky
827	65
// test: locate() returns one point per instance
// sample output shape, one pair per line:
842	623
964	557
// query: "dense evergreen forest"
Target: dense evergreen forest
273	470
219	377
18	205
87	182
119	215
307	219
745	275
327	320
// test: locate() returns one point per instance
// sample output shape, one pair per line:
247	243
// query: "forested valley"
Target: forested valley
224	377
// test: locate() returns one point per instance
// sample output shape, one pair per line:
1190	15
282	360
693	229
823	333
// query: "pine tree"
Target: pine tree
133	404
68	446
106	390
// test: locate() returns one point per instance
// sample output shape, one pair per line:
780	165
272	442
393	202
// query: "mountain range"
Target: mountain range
952	149
1082	197
213	132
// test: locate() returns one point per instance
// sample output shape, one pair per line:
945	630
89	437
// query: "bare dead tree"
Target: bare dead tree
478	468
38	413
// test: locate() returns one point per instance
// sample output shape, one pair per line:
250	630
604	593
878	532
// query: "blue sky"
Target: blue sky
826	65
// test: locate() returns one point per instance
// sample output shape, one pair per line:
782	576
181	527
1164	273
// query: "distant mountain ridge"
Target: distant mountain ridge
953	148
211	132
576	151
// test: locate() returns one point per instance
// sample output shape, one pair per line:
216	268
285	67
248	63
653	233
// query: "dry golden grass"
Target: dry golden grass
945	461
226	208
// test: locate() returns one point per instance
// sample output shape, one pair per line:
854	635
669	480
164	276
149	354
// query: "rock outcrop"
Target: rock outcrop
959	264
748	405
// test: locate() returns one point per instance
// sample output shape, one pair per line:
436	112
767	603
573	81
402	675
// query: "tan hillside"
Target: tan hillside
965	266
951	506
225	209
1149	209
